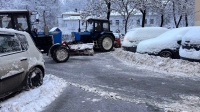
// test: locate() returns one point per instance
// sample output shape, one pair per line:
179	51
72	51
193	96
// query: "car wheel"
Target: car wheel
106	43
34	78
60	54
166	54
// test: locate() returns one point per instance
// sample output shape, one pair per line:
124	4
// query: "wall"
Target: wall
197	13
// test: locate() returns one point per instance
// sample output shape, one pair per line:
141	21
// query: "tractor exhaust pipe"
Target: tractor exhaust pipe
46	29
79	25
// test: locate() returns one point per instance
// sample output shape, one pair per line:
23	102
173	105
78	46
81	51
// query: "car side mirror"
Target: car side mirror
179	42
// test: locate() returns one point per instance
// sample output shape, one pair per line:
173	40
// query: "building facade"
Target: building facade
197	13
70	22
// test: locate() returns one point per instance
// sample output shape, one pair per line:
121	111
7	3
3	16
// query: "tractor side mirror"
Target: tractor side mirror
37	18
34	17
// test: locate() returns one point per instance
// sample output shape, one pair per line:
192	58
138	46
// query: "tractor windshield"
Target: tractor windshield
5	21
90	26
19	22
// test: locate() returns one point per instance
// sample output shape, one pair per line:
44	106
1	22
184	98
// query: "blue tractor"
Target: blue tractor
98	32
47	42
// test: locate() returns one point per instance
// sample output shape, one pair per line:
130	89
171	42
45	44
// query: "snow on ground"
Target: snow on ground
36	99
170	67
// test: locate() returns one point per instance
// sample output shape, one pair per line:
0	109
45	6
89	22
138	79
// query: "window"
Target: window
117	22
5	21
23	41
105	27
124	21
9	43
145	22
90	26
110	22
20	22
138	22
151	21
97	26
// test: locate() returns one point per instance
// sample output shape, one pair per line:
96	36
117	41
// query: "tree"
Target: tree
98	8
126	9
162	8
143	6
181	9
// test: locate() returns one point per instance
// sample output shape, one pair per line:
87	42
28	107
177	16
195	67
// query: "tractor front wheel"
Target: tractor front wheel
106	43
60	54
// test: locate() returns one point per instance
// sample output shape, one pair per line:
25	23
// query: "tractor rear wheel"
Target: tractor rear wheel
106	43
60	54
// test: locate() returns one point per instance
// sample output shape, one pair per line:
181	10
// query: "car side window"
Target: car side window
23	41
9	43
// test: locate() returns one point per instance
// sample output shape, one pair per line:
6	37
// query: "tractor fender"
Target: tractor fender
53	47
108	33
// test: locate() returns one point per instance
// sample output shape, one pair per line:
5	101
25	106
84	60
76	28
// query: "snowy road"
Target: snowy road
101	83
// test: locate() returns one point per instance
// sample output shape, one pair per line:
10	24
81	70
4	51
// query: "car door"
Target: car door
13	62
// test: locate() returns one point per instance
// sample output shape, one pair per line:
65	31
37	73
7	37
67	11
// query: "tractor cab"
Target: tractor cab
97	25
18	20
23	20
96	30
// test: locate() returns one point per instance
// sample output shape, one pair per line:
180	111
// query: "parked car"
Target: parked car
136	35
165	45
190	45
117	42
22	65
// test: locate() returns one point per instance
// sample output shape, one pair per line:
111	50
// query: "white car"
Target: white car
165	45
190	45
21	64
136	35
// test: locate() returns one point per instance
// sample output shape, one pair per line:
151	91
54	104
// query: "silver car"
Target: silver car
21	64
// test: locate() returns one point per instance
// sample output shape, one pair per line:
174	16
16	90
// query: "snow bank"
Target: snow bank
173	67
134	36
167	40
36	99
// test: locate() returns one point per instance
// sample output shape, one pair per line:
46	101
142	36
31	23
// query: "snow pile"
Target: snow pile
192	39
174	67
98	91
134	36
188	104
36	99
167	40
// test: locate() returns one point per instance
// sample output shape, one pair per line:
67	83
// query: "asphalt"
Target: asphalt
101	83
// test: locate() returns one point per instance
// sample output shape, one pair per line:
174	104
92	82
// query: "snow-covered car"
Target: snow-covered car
190	45
117	42
136	35
21	64
165	45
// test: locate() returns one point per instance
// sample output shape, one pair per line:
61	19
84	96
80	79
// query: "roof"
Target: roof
72	13
72	18
13	10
